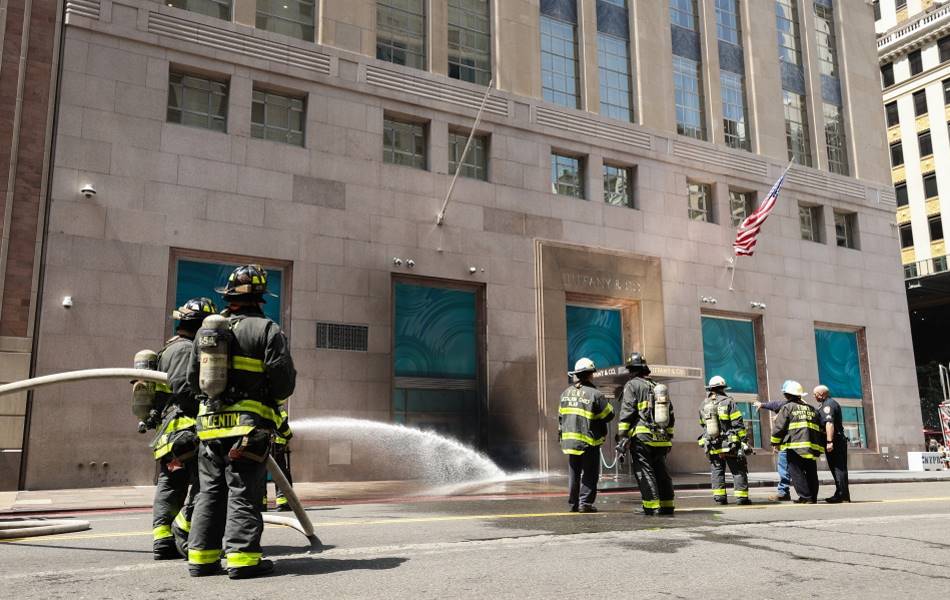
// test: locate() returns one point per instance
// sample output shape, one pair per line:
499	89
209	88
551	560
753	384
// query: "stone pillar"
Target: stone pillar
587	47
654	70
348	25
517	47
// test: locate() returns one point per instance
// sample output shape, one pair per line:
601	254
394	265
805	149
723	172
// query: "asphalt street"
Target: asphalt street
894	541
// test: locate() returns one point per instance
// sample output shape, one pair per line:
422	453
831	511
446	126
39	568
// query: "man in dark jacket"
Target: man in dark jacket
582	420
836	443
797	430
236	428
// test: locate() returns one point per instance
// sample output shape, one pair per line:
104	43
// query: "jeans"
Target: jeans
783	478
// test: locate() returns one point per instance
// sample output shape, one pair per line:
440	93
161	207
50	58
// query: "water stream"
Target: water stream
406	452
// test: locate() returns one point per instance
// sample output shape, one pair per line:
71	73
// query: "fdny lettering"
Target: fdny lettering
575	397
803	412
220	420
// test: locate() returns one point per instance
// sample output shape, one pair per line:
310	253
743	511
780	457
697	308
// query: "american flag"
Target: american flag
748	235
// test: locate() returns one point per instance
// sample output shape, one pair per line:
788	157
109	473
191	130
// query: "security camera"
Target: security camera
88	191
410	263
67	301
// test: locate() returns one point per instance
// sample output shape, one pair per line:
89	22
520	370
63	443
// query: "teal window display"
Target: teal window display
435	332
435	359
852	418
752	423
729	351
199	278
839	363
594	333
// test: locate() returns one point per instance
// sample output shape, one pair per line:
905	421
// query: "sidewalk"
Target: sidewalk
322	493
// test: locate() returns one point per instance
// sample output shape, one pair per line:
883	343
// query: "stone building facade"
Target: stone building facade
212	141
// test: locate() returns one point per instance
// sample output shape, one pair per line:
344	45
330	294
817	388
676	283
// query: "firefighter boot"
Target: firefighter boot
164	549
262	568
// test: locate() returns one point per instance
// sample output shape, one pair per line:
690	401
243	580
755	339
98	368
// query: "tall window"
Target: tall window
277	117
220	9
294	18
567	175
887	75
907	236
618	185
730	351
700	202
936	228
827	43
741	205
943	45
893	117
404	143
897	154
900	194
401	32
930	185
470	41
727	22
683	14
925	144
613	59
946	91
688	89
846	229
559	68
796	128
786	19
916	62
734	110
809	218
475	165
835	140
197	101
920	103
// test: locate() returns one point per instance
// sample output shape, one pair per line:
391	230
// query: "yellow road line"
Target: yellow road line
398	521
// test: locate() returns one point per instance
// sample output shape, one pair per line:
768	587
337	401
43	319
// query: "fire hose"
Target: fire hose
29	528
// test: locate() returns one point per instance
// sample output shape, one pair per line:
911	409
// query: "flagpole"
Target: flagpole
458	168
734	261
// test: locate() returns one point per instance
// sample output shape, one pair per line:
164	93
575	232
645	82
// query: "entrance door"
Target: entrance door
435	358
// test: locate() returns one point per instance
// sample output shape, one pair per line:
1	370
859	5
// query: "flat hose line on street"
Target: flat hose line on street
17	529
416	520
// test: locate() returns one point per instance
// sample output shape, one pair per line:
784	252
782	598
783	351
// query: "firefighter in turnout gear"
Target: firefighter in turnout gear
797	431
282	458
646	429
724	438
581	429
237	419
174	412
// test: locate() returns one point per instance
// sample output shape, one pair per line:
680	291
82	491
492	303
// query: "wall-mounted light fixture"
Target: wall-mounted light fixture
709	300
757	305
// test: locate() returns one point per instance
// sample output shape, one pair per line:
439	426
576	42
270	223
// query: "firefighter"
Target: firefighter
582	420
724	438
236	423
175	445
796	429
282	458
646	429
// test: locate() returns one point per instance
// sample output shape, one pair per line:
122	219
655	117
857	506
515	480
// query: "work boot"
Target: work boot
648	512
743	502
205	570
283	507
666	512
588	508
262	568
806	501
721	500
573	508
165	549
780	498
834	500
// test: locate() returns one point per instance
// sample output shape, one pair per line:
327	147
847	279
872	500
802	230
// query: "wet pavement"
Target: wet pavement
527	546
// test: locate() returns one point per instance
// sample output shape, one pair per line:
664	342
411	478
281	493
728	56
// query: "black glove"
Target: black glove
624	445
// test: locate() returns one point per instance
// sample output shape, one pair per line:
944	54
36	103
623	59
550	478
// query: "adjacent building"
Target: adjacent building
914	52
621	144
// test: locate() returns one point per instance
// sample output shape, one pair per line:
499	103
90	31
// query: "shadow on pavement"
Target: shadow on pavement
323	566
61	547
285	550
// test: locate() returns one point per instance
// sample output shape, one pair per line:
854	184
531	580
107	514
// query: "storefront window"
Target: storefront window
839	368
197	278
594	333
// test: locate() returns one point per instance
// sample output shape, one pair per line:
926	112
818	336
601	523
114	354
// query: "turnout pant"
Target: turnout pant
173	504
739	468
653	478
583	472
228	507
783	479
804	474
282	458
838	463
